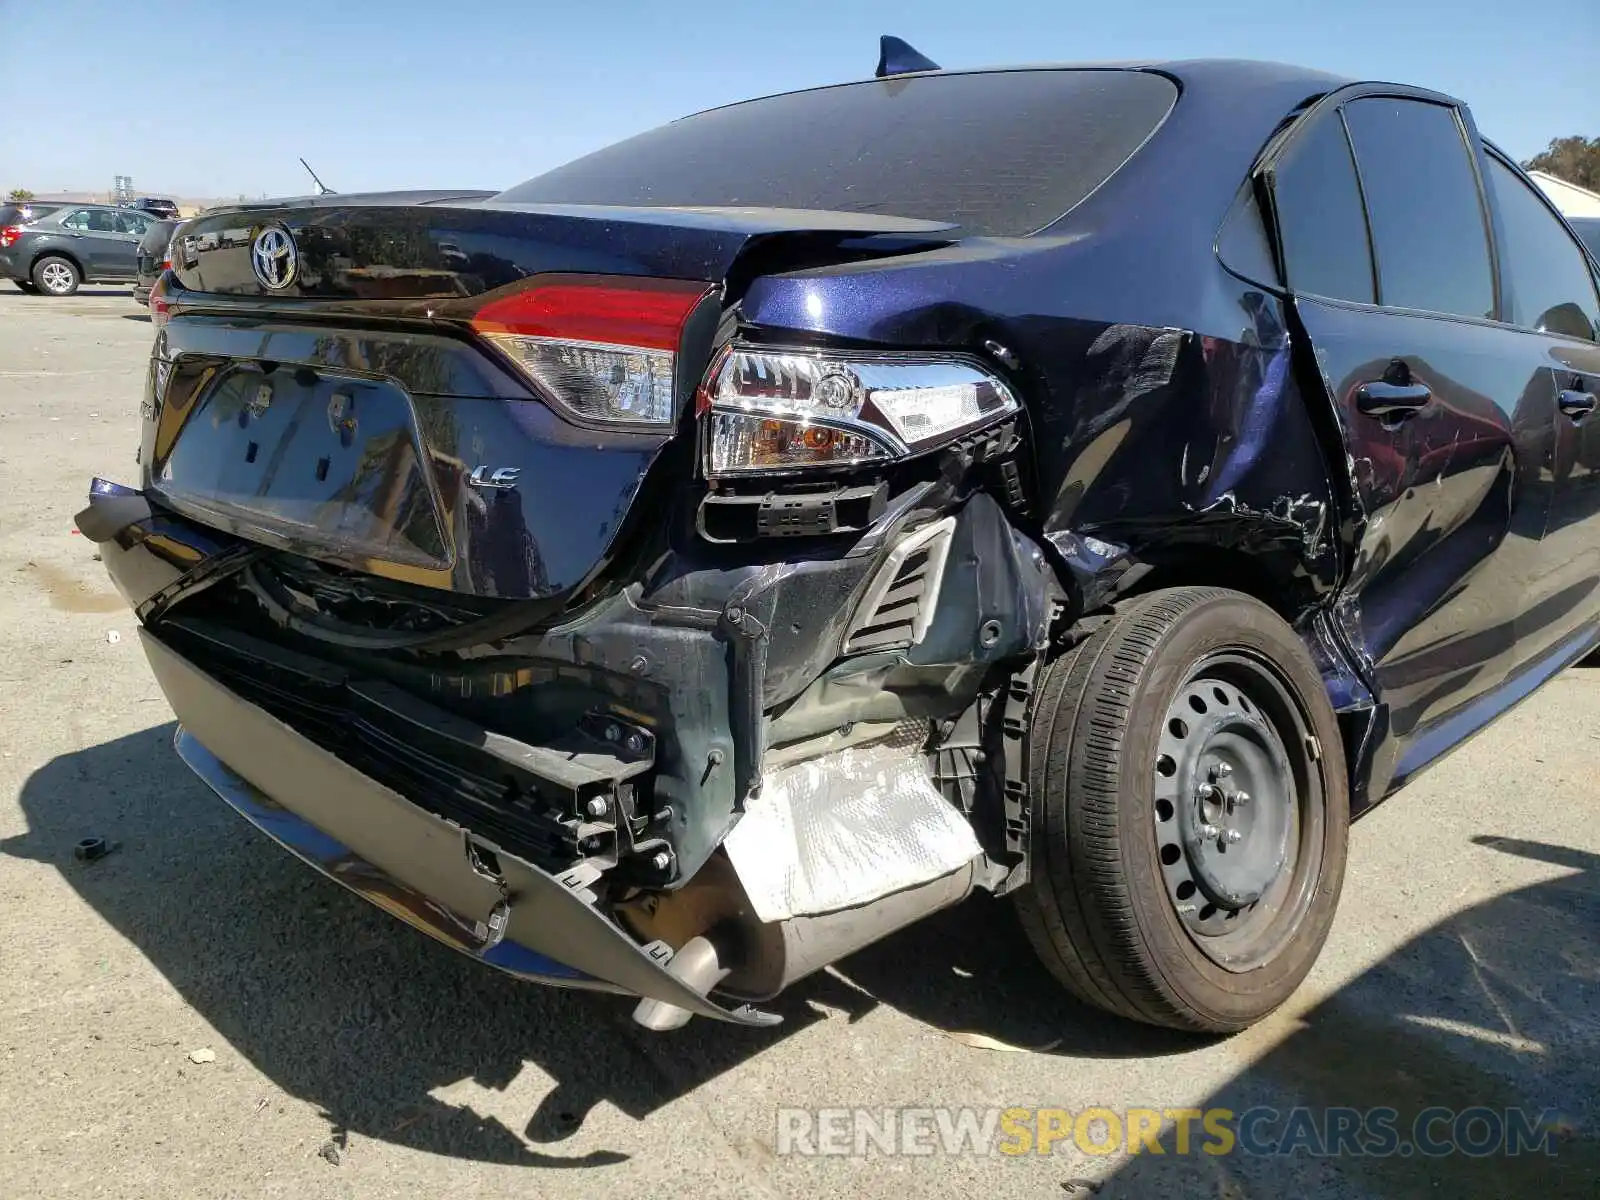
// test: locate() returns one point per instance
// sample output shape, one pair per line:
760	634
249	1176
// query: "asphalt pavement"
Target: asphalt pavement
197	1014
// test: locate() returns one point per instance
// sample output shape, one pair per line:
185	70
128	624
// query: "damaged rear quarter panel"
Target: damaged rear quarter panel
1188	448
1165	419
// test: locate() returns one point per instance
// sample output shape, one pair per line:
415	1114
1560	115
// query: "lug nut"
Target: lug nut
1222	770
1209	832
661	860
1207	791
1233	835
597	807
1241	797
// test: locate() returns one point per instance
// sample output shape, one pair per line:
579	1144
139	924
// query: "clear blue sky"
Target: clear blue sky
217	99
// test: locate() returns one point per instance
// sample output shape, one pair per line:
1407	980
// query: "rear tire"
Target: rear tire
1142	741
56	276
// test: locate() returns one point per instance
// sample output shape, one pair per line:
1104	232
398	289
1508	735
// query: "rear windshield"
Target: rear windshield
1000	153
158	235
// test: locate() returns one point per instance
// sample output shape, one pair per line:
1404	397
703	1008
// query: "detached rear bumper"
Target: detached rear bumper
419	867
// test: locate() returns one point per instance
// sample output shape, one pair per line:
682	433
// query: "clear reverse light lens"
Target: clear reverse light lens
778	410
746	442
603	383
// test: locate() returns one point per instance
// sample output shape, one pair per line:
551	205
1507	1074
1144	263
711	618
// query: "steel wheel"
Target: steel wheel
1191	812
1231	803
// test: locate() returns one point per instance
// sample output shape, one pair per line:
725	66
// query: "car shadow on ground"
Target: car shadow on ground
1492	1009
343	1007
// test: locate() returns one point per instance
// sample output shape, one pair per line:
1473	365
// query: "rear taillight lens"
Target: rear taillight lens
781	410
8	235
604	349
160	305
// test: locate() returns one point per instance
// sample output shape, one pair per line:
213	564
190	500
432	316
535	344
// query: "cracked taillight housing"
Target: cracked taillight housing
602	348
766	409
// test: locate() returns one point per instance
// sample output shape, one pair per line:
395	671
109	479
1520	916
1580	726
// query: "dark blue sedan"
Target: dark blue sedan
1090	484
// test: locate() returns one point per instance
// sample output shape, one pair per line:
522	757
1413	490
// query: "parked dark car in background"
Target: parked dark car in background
157	206
151	258
707	557
76	244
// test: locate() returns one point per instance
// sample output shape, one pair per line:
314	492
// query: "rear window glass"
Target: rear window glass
1000	153
1422	201
1320	219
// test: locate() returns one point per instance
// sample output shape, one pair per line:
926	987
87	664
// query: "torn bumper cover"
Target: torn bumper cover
419	867
748	838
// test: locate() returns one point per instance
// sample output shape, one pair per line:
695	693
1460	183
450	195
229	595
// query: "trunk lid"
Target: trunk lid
354	248
346	412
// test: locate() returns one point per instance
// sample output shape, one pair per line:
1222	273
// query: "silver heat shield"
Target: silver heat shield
846	828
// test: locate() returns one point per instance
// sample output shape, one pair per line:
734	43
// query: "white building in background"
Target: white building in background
1572	200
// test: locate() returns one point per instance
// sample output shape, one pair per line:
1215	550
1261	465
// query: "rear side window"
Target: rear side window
1547	276
77	220
1423	205
1320	222
1000	153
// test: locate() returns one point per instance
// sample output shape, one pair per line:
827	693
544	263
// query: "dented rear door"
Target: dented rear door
1447	419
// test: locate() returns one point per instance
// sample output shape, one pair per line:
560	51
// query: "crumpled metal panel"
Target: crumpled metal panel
840	830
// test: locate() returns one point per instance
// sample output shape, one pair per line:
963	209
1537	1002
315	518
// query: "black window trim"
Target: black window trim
1491	151
1334	102
1366	209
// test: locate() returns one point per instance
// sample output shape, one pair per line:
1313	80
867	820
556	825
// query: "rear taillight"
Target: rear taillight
767	409
160	305
8	235
603	348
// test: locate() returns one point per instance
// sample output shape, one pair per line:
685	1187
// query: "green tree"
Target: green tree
19	195
1575	159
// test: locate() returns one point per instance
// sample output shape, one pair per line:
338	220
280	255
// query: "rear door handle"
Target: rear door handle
1576	404
1392	401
